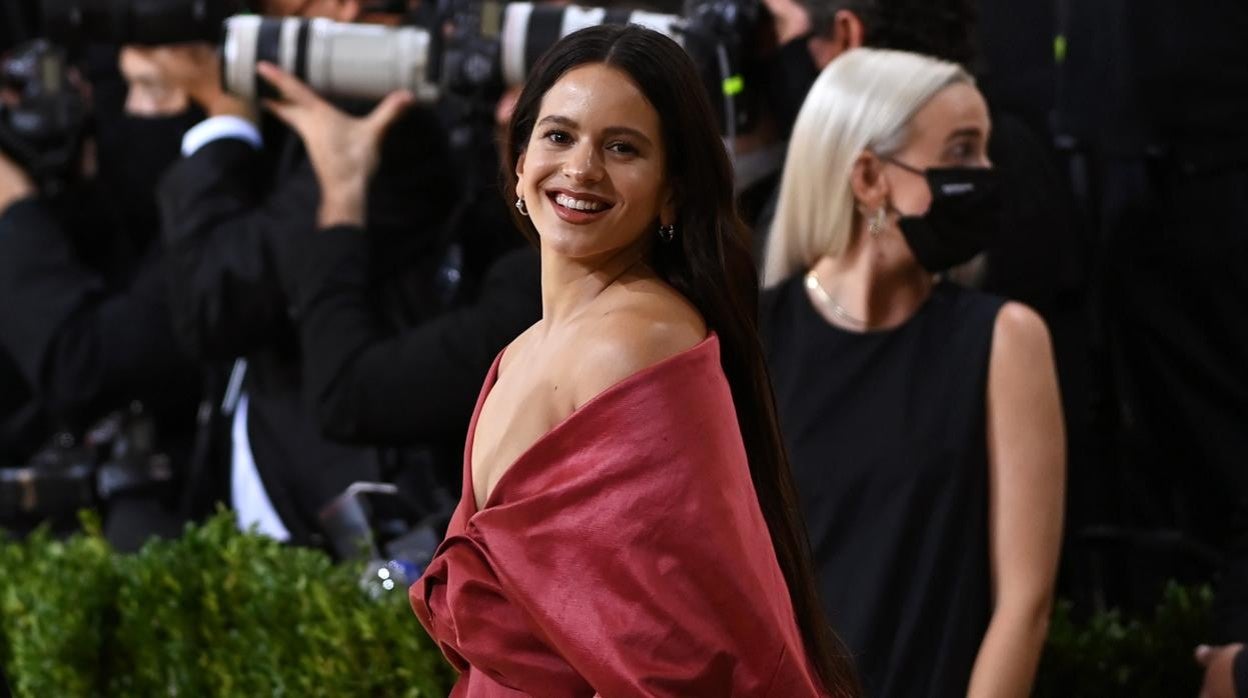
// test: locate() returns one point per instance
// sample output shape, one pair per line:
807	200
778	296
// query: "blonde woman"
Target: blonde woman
922	419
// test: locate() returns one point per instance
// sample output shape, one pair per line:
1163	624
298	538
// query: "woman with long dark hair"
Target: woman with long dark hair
628	523
624	528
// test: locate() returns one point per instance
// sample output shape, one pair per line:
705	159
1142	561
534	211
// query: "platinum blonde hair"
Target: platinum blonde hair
864	100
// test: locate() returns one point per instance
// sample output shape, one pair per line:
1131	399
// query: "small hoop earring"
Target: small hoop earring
877	222
667	233
524	210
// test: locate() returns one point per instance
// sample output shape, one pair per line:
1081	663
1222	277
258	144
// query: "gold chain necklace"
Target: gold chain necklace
813	284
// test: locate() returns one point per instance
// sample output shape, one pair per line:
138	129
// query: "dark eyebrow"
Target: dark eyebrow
560	120
609	131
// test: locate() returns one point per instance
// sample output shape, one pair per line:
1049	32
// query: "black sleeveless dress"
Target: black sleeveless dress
886	432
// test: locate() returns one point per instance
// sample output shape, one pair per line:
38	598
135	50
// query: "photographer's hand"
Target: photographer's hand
196	69
15	185
791	19
344	150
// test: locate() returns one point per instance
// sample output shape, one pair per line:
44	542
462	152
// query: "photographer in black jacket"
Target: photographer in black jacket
369	383
84	326
237	212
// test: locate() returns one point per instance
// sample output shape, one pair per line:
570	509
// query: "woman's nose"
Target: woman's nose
584	163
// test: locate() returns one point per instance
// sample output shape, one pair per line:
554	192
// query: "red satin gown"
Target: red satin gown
623	554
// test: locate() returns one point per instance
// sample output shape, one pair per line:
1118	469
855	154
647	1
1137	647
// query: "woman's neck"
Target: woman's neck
867	285
570	285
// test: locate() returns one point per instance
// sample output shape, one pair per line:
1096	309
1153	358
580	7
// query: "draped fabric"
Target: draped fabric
623	554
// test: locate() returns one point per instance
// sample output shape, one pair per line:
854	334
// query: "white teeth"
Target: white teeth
568	202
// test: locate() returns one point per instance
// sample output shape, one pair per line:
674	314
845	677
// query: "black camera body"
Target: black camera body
494	44
147	22
44	128
117	456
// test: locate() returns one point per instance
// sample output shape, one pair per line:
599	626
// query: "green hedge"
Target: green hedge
222	613
1109	654
214	613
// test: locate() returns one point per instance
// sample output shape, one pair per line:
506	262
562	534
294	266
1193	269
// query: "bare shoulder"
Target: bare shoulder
643	325
1021	372
1019	335
514	350
1025	425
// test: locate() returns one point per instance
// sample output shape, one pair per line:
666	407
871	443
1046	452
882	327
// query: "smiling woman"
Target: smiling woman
595	158
628	522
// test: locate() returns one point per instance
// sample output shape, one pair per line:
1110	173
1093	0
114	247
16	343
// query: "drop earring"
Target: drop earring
520	206
877	222
667	233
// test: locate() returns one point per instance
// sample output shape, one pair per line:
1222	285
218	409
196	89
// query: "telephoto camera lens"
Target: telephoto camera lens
352	61
530	28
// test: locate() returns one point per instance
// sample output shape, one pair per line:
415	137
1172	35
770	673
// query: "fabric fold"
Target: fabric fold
624	553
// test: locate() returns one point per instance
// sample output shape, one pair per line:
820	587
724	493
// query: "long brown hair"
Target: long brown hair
711	264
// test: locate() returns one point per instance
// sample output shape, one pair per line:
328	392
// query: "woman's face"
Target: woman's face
592	174
951	130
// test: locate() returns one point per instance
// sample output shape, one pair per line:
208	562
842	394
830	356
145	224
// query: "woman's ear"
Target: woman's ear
667	212
867	181
519	175
847	30
845	33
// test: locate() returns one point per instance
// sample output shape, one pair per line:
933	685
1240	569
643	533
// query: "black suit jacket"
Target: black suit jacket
418	385
236	221
84	329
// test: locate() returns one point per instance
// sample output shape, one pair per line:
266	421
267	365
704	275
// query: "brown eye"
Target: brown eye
557	137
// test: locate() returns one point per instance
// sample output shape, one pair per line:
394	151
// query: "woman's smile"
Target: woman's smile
578	208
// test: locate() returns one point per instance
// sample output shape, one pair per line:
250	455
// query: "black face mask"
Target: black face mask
133	158
791	72
963	220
